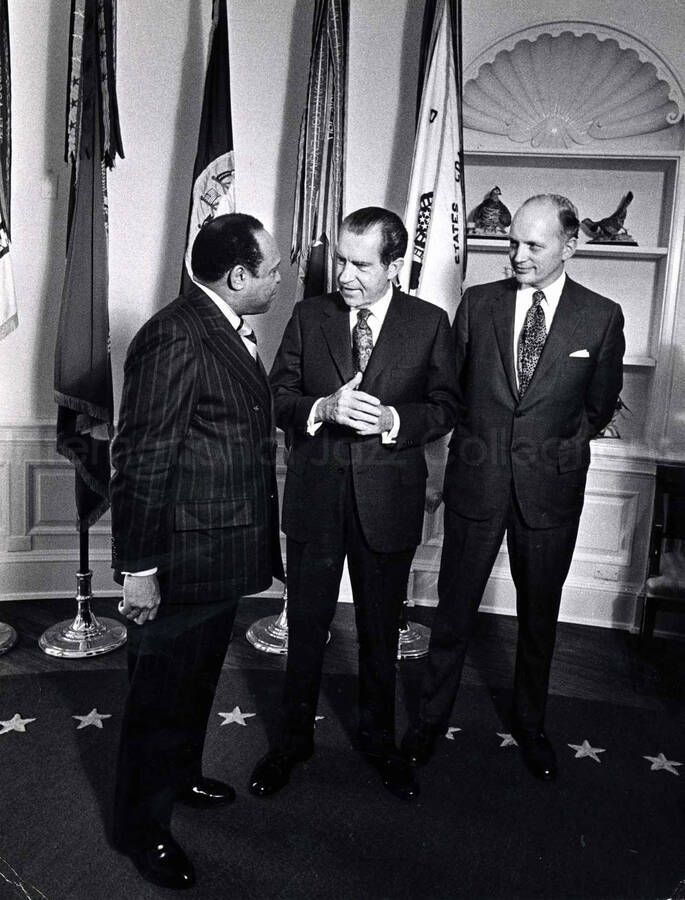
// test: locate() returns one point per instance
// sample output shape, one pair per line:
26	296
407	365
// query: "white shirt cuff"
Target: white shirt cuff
144	572
390	437
312	425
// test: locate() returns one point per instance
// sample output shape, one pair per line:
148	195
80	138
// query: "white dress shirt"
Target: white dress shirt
378	312
232	317
524	300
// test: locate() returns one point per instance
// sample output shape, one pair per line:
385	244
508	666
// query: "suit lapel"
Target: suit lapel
336	330
567	318
388	350
224	342
504	307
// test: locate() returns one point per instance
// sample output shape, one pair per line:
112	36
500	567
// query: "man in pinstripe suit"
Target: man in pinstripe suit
195	526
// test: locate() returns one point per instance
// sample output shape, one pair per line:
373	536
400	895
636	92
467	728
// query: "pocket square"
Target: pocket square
582	353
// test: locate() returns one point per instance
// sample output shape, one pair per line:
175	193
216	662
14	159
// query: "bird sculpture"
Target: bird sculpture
612	228
491	216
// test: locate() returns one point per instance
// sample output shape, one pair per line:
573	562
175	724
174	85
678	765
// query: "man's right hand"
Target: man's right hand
141	598
348	406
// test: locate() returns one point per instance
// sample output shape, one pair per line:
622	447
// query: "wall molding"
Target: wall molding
39	544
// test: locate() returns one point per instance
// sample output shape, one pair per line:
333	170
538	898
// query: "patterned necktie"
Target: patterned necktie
245	331
533	337
362	340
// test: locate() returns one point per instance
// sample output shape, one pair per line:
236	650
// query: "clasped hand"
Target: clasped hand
358	410
141	598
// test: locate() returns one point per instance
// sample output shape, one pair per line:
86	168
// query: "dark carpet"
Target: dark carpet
483	826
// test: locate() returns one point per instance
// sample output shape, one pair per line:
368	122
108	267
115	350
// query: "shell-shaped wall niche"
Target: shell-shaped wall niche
559	90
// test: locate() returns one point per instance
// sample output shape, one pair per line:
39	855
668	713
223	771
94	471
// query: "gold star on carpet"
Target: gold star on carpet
661	764
93	718
585	749
237	717
451	731
16	723
508	740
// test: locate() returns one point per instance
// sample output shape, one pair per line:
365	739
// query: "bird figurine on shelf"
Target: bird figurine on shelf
611	230
491	218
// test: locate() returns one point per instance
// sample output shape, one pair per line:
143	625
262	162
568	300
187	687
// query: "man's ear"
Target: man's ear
569	248
394	268
237	278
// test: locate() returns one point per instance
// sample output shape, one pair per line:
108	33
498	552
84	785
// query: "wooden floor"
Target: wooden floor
593	663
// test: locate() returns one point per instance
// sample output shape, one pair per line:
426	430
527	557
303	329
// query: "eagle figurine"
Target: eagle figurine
611	229
492	216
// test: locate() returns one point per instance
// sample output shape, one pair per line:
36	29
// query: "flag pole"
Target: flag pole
8	301
84	635
270	634
83	369
435	212
413	638
318	202
8	637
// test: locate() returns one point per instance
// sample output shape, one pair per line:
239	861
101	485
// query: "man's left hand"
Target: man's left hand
141	598
383	423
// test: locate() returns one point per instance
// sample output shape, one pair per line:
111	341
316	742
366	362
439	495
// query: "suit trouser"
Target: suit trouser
539	559
174	664
379	589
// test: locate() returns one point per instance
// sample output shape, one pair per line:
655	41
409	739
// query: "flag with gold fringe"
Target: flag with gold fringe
319	187
435	214
83	371
8	301
214	171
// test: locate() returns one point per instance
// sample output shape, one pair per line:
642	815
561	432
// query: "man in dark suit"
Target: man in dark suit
195	526
539	359
363	378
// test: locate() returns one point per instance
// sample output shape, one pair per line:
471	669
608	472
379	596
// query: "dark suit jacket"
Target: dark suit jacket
194	487
542	441
412	369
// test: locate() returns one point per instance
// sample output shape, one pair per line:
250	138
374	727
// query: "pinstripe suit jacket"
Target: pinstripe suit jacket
194	485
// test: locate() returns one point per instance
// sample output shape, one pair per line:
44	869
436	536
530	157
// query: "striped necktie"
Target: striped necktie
532	341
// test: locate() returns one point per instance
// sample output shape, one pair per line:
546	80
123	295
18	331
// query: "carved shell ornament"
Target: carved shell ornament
565	89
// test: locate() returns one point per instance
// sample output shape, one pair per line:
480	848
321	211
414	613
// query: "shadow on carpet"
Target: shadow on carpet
483	827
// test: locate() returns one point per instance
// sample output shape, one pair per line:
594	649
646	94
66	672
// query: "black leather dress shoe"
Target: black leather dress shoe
206	793
272	772
398	776
418	743
165	864
537	752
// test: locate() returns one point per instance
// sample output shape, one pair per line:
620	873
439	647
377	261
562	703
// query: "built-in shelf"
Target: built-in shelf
645	362
642	278
615	251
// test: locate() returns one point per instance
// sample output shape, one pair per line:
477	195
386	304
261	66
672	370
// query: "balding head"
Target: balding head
543	235
566	212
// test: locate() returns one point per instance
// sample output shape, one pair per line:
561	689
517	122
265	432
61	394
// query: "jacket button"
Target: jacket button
517	414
